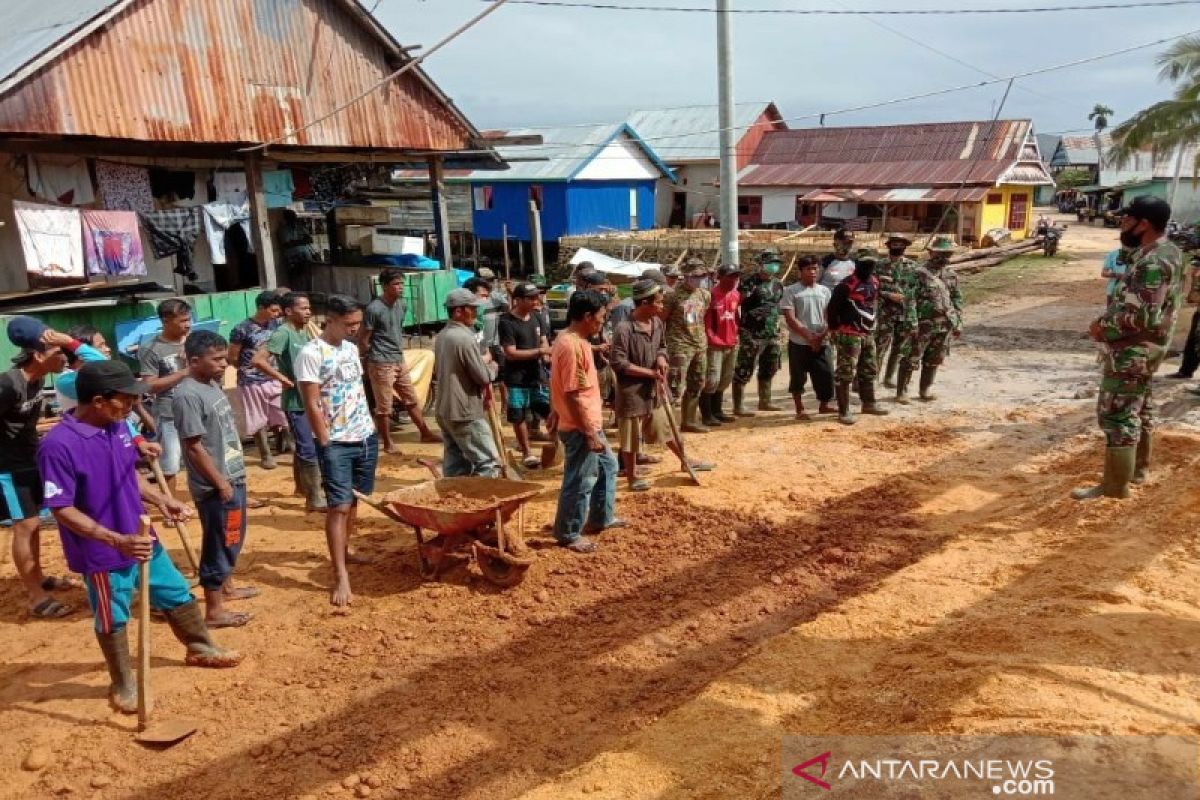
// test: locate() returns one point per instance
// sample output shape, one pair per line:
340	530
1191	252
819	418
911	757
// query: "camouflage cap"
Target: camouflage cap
697	270
888	238
769	255
693	262
671	271
867	254
645	287
942	243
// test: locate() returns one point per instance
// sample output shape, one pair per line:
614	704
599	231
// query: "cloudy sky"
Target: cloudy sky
530	66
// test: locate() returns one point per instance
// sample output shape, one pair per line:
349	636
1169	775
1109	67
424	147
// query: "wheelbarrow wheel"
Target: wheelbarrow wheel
498	571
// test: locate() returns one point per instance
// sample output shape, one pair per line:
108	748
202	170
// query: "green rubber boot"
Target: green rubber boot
902	380
845	414
122	693
1145	453
1118	472
739	401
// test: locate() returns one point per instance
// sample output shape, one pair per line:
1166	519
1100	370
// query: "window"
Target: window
535	194
633	208
995	199
483	198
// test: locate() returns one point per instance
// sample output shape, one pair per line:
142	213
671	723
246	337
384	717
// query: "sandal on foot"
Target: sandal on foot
255	502
617	523
703	466
49	608
242	593
581	545
646	458
640	485
233	620
55	584
531	462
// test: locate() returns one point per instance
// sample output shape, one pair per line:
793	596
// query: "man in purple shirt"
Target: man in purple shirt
90	484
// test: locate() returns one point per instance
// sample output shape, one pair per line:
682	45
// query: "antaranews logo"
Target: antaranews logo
801	770
1023	778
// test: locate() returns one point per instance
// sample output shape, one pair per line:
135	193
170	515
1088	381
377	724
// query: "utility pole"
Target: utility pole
729	189
1175	177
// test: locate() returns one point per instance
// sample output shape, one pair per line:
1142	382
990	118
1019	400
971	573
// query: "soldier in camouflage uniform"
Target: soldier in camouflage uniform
851	315
687	342
939	305
897	304
1135	330
758	338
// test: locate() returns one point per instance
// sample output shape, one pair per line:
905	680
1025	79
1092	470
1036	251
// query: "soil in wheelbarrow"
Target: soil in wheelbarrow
443	501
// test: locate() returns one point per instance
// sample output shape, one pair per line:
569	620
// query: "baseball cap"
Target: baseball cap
594	278
526	290
645	287
458	298
26	332
728	269
486	274
100	377
1154	210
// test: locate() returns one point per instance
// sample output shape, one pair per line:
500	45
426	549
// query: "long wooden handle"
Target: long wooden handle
180	525
145	702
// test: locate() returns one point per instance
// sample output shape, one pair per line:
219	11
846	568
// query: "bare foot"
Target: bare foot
431	438
355	558
240	593
341	595
393	450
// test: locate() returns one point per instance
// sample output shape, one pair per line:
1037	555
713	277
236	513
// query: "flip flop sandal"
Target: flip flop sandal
232	621
648	459
255	502
581	545
243	593
640	485
56	584
531	462
49	608
703	466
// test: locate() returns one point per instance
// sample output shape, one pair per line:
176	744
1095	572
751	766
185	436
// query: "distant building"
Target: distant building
971	177
1148	174
688	141
1047	146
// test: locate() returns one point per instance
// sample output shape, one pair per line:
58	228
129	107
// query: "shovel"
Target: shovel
664	395
167	731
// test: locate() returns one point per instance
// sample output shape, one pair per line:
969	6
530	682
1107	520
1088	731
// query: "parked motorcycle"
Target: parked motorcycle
1050	240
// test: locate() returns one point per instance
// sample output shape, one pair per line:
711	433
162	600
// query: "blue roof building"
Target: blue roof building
585	179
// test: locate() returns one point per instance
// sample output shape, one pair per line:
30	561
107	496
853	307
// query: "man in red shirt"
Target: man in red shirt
851	315
721	325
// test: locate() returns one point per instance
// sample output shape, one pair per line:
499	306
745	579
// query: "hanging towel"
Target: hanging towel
61	179
112	243
231	187
173	232
220	217
51	238
278	188
124	187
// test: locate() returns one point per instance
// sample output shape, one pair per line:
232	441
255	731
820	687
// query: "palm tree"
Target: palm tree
1100	114
1170	124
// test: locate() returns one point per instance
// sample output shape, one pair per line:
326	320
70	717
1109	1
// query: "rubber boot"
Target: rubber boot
1145	454
314	496
717	408
298	477
739	405
889	373
1118	472
187	623
266	458
902	379
866	392
691	415
845	414
764	397
122	693
706	412
928	373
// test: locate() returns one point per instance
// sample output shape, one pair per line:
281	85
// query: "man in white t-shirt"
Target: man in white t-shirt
837	266
329	374
803	306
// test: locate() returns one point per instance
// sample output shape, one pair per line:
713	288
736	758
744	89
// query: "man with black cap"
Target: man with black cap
463	377
758	337
526	349
897	309
721	325
43	353
687	344
92	486
851	313
1135	331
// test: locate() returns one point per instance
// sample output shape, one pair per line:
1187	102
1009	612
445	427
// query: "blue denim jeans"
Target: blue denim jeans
589	489
306	446
468	449
172	450
347	467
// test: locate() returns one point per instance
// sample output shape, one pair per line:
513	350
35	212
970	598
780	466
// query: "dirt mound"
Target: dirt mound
906	437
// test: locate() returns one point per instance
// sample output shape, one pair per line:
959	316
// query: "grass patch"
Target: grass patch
1024	269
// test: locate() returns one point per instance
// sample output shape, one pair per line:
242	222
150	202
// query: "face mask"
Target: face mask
771	269
938	261
896	252
695	283
1130	239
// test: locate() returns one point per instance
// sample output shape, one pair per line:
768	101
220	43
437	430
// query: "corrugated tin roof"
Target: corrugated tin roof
1048	144
566	151
1077	151
672	132
218	72
933	154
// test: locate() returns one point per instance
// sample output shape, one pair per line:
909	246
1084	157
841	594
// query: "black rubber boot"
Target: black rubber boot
928	373
739	401
902	380
187	623
310	475
266	458
845	415
691	415
889	374
1118	472
1145	454
718	408
706	413
764	397
866	392
122	693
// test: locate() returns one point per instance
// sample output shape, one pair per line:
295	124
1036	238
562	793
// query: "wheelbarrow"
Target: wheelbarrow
462	514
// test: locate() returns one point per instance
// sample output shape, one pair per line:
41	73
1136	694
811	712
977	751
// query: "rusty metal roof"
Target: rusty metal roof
224	72
927	154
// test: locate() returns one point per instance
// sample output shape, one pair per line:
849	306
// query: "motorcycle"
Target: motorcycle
1050	240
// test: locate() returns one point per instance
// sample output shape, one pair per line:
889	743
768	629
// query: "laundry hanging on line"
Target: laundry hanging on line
51	239
60	179
219	218
112	243
173	232
124	187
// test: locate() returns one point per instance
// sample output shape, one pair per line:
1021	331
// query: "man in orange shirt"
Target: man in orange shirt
586	502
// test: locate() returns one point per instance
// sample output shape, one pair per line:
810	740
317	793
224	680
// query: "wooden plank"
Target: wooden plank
441	223
260	226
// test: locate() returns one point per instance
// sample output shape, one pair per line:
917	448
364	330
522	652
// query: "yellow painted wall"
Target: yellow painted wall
995	215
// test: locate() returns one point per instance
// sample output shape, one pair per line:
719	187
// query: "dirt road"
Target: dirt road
921	572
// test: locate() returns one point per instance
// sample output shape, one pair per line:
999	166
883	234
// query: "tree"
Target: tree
1100	114
1169	124
1072	177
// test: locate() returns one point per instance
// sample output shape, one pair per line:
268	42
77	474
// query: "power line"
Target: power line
825	12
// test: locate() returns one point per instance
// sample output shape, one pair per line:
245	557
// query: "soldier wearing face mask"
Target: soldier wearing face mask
851	316
687	342
758	337
939	317
897	309
1135	331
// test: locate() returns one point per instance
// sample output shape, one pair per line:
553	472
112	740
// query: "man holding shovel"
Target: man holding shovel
639	358
91	485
